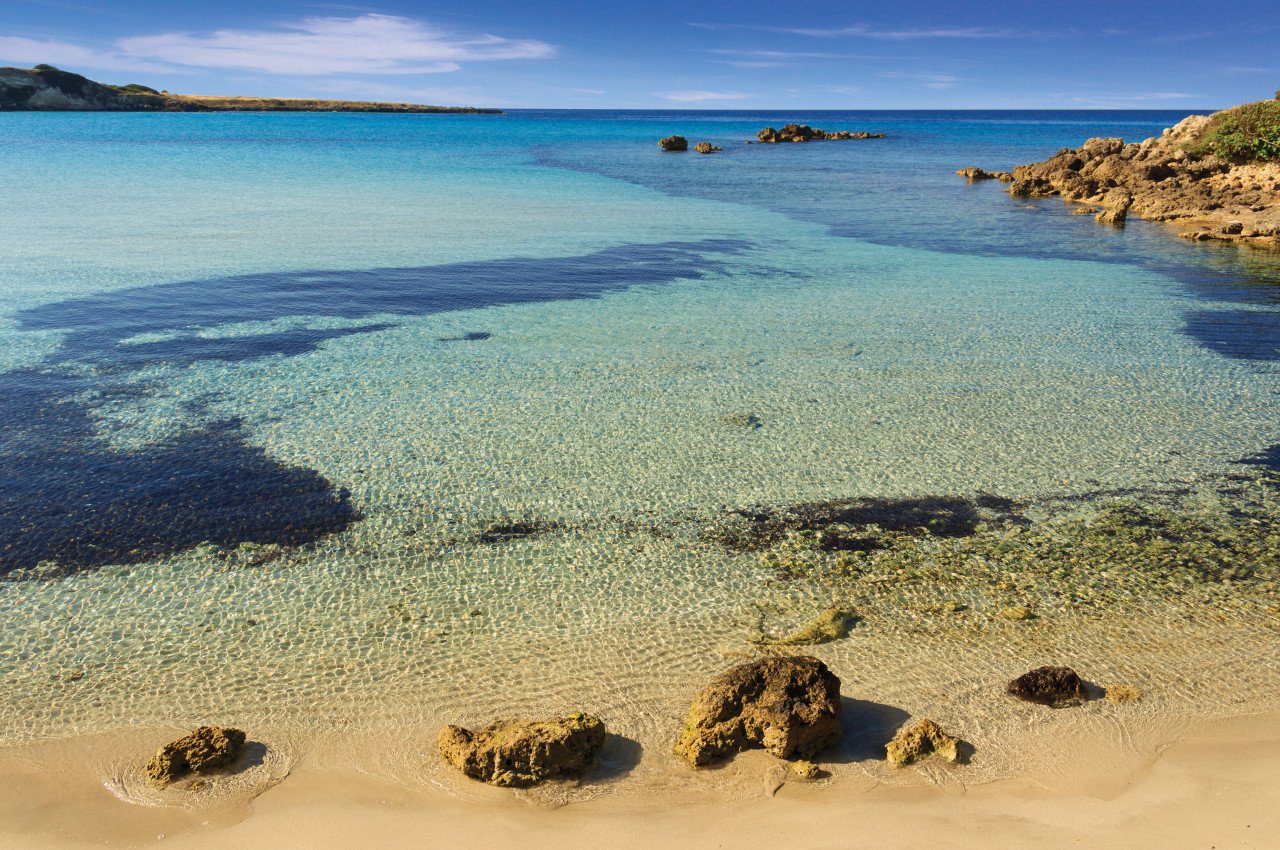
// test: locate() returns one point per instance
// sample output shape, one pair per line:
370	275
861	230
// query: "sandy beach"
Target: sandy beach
1212	786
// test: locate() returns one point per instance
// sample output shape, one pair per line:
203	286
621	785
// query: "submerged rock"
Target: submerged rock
674	143
915	742
790	706
1121	694
1056	687
521	753
831	624
206	749
1017	612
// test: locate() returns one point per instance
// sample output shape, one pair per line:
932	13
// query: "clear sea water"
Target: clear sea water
368	337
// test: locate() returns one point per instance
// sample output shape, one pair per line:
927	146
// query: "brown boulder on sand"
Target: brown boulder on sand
674	143
1052	686
521	753
916	742
204	750
789	705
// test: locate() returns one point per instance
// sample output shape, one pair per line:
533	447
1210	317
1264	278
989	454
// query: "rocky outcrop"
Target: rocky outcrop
206	749
972	173
1057	687
915	742
805	133
1170	178
790	706
520	753
706	147
674	143
46	88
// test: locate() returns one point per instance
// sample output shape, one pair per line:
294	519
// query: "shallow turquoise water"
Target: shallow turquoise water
366	337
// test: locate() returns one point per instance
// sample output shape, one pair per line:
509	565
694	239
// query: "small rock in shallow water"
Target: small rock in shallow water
916	742
805	769
674	143
1056	687
790	706
206	749
520	753
706	147
1016	612
832	624
1121	694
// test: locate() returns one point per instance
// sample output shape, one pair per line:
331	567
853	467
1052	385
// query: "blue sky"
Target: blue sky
658	53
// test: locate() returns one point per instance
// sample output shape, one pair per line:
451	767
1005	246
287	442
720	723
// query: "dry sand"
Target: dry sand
1215	786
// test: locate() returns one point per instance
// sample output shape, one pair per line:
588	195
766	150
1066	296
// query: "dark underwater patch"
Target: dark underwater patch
69	496
843	523
95	326
1238	334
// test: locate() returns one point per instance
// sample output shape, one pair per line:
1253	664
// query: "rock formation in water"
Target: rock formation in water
674	143
915	742
790	706
1218	175
805	133
981	174
46	88
706	147
206	749
520	753
1057	687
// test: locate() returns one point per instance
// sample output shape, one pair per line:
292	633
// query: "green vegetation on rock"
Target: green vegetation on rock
1246	133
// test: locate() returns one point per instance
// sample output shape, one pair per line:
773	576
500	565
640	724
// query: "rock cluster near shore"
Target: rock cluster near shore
981	174
1175	177
519	753
805	133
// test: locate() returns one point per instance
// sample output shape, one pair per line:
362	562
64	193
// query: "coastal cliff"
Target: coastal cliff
45	88
1216	175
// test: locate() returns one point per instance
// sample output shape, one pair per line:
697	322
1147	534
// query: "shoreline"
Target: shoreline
1207	784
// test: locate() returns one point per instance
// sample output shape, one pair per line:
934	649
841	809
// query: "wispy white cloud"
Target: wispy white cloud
32	51
865	31
784	54
931	81
698	96
318	46
366	44
752	63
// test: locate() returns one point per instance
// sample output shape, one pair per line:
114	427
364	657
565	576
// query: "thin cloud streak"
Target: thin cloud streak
700	96
865	31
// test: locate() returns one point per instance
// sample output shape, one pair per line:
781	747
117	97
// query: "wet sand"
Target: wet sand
1211	785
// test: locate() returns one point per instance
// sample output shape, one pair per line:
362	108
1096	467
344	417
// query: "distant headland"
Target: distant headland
45	88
